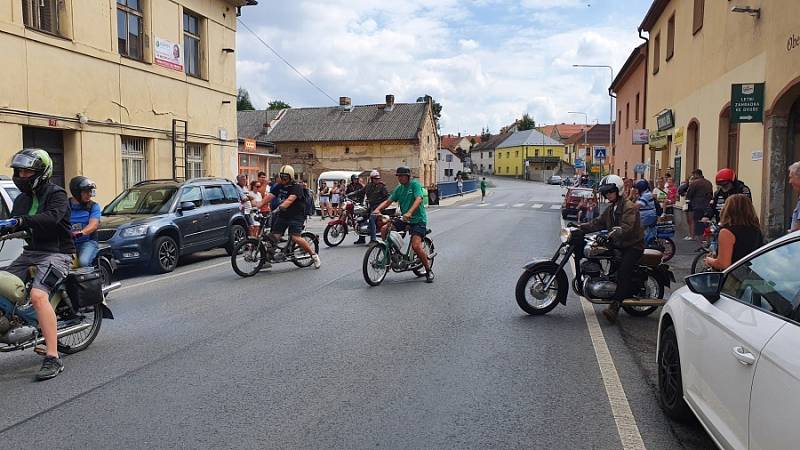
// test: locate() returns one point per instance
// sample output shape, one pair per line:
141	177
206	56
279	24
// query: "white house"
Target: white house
448	165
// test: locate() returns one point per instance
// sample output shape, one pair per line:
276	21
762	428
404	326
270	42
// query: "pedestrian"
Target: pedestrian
483	189
794	181
336	190
699	195
739	234
324	193
682	189
672	194
583	206
460	184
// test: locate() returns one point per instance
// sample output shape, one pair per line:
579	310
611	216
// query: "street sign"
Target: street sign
640	136
658	140
639	168
747	103
665	120
579	164
599	152
595	169
677	136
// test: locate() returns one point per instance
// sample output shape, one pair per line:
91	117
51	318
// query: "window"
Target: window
191	44
671	37
699	8
215	195
440	156
536	152
192	194
448	158
347	150
619	121
516	154
448	172
656	53
627	115
499	155
637	107
130	24
767	282
134	162
490	154
490	167
231	193
549	152
194	161
41	15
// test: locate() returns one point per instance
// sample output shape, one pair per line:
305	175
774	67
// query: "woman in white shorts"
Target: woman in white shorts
325	200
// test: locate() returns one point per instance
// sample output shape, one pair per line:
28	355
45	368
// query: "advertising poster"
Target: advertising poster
168	54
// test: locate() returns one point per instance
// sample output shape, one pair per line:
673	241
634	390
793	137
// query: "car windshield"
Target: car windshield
142	200
12	192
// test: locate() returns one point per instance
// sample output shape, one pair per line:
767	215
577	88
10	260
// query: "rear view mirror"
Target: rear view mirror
186	206
707	284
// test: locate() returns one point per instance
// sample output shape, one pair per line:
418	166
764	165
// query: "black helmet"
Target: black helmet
403	170
353	178
81	184
36	160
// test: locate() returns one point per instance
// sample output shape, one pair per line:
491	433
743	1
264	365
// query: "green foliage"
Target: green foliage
526	123
435	106
243	102
277	105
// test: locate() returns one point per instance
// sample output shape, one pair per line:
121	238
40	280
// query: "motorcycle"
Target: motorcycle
250	254
544	283
662	240
395	253
79	302
709	246
354	216
105	263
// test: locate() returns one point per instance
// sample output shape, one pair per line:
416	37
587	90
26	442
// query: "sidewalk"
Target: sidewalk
475	195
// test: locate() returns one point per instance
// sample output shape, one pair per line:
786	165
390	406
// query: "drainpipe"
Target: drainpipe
646	72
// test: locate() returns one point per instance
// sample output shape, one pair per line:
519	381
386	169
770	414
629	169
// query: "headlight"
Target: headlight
566	233
136	231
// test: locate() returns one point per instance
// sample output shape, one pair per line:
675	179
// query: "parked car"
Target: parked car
154	223
555	179
9	250
572	198
728	350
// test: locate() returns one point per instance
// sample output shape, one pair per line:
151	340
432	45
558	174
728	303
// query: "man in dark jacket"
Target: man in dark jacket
699	194
42	208
355	190
728	185
624	214
376	193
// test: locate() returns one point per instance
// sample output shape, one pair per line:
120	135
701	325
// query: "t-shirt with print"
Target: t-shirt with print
405	195
297	210
80	216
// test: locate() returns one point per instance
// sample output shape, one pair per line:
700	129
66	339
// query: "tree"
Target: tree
243	102
436	107
485	134
526	123
277	105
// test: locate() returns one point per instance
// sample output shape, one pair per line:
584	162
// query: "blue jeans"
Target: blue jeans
87	252
372	226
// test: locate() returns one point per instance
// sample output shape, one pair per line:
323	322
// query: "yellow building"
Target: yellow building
121	90
530	150
701	55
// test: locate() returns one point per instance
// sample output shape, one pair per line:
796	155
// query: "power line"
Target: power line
286	62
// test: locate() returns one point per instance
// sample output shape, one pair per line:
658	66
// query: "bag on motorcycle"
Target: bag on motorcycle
12	288
84	287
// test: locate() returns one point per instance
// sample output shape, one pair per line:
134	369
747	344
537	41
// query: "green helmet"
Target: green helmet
35	160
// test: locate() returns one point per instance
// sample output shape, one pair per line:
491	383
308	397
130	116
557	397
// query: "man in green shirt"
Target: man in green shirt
483	189
409	194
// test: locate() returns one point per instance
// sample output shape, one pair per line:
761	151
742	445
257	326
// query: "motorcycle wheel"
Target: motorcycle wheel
299	256
375	267
77	342
699	264
334	234
106	272
530	294
248	257
428	246
651	289
668	246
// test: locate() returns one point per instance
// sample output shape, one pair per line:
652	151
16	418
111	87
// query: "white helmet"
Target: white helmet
610	183
374	174
287	170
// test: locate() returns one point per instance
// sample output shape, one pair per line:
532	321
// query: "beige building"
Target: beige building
121	90
698	50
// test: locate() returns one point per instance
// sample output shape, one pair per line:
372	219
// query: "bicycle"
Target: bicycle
708	246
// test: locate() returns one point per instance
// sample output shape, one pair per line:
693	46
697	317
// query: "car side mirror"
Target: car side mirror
186	206
707	284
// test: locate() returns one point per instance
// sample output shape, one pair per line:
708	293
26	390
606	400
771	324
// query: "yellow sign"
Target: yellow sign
658	140
595	169
677	136
249	144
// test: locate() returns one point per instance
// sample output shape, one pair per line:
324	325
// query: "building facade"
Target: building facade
629	86
121	91
580	149
448	165
527	149
701	55
255	152
482	155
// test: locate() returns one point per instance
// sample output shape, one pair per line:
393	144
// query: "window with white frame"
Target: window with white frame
134	161
194	161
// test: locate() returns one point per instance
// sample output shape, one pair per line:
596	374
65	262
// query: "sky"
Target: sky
486	61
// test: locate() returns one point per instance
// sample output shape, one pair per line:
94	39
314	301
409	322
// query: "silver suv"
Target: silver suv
9	250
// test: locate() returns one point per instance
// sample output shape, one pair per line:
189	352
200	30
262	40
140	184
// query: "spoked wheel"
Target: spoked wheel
699	264
667	248
427	244
376	264
299	256
670	380
651	289
248	257
531	294
334	234
79	341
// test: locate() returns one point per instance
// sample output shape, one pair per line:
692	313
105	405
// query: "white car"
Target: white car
9	250
729	350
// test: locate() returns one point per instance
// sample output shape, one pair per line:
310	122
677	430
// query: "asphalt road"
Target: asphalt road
304	358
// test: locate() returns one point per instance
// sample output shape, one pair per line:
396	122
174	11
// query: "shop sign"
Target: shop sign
168	54
641	136
665	120
658	140
249	144
677	136
747	103
595	169
758	155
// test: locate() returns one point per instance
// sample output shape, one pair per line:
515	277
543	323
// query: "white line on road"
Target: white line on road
517	205
555	206
468	205
500	205
483	204
537	206
169	277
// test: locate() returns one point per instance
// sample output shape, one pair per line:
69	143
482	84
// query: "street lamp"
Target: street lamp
610	102
585	123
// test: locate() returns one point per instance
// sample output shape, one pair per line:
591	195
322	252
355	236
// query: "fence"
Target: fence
450	188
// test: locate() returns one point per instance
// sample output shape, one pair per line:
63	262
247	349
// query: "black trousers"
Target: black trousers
625	267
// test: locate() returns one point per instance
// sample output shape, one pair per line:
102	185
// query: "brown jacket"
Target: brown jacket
625	216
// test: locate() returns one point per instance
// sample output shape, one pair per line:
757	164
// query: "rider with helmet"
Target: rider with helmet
624	214
647	209
408	194
375	193
42	208
354	190
85	218
728	185
291	211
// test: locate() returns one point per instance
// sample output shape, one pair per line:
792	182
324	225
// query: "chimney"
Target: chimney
389	102
345	103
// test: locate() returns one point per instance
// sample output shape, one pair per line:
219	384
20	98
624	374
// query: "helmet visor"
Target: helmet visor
23	161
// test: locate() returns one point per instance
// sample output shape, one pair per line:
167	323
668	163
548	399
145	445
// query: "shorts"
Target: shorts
418	229
295	226
324	199
51	268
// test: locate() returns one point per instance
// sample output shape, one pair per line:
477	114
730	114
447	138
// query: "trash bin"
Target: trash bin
433	196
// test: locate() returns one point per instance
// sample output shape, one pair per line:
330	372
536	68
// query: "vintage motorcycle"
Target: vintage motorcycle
78	301
354	216
544	284
394	253
250	254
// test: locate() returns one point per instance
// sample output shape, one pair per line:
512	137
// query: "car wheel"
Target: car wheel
237	233
165	255
670	381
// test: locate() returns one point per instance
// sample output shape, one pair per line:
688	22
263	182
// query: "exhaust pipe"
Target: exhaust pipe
61	333
111	287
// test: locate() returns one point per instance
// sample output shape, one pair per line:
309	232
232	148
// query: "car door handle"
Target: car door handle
743	356
206	215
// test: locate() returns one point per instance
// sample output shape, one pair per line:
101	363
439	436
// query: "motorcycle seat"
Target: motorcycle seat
651	258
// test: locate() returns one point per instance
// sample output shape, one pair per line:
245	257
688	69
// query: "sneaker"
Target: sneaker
317	262
429	276
51	367
688	238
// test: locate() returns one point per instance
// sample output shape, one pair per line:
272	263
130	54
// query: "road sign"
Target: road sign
579	164
639	168
747	103
595	169
599	152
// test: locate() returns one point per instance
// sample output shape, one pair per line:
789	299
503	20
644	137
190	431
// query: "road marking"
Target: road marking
483	204
517	205
537	206
500	205
555	206
169	277
468	205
